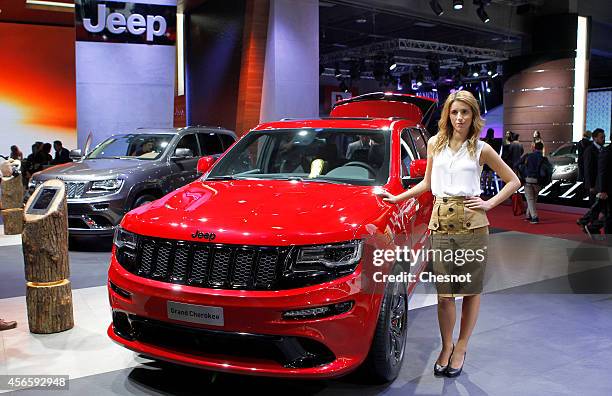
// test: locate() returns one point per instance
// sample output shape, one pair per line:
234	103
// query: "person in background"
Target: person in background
537	137
16	154
533	162
505	148
591	162
362	143
488	174
591	158
516	151
604	185
62	155
44	155
584	143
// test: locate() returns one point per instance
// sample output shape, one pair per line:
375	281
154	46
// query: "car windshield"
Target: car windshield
136	146
351	156
569	149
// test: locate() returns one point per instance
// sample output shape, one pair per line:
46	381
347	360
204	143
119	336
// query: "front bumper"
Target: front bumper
95	217
254	339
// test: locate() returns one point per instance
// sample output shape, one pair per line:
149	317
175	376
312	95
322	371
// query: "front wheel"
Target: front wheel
387	350
143	199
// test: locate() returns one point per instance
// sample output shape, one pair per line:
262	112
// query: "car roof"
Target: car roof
336	122
173	131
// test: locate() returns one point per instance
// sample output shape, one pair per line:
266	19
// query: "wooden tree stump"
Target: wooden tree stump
45	255
45	239
49	307
12	192
13	221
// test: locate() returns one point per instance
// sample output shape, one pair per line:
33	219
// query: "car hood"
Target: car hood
93	169
260	212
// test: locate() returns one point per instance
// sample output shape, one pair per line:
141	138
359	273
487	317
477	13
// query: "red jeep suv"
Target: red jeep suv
264	266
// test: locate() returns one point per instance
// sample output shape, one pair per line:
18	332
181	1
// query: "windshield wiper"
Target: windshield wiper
317	180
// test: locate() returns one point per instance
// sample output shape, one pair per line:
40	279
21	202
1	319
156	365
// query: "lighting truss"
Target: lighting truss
484	54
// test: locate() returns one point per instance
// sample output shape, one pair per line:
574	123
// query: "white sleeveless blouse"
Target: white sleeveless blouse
456	174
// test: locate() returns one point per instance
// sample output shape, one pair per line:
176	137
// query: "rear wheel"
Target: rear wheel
387	350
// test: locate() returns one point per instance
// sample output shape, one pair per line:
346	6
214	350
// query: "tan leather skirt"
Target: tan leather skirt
459	242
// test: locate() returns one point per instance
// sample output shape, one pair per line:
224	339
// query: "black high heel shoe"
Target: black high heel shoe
441	370
454	372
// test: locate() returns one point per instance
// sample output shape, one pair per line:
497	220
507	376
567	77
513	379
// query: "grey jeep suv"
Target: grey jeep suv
129	170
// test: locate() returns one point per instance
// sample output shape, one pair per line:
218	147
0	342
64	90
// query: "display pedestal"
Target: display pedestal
49	307
11	202
13	221
45	255
12	192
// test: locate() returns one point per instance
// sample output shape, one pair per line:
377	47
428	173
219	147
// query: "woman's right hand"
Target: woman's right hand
388	197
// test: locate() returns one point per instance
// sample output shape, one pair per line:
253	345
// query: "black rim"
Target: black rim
397	323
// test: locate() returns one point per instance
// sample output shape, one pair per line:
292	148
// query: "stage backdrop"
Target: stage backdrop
37	94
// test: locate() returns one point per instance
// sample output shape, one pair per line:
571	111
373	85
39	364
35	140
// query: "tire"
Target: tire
386	354
143	199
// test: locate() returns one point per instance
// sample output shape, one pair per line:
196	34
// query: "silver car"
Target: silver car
565	162
129	170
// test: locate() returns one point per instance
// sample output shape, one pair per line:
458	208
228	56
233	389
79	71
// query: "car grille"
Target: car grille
74	189
210	265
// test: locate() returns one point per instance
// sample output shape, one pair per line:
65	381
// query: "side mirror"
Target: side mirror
181	153
76	154
417	173
205	163
417	168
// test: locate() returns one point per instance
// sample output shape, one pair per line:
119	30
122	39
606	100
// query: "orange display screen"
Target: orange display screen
37	86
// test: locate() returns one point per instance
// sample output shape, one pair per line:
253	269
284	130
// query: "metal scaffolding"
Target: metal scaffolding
397	45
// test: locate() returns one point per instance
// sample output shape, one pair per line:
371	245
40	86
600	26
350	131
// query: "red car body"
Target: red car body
278	215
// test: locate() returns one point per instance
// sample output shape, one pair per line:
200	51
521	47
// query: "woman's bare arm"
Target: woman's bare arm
423	186
489	157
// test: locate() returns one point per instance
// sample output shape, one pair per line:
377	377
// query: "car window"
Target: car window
311	155
406	158
227	140
210	143
134	146
419	142
189	142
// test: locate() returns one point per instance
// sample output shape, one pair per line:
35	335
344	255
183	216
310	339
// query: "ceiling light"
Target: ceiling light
436	7
457	4
482	14
393	67
361	20
50	5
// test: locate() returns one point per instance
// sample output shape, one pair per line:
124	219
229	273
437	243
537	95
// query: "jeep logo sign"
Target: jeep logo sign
116	23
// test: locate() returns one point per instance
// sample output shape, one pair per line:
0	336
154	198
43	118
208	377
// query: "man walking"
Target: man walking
604	186
591	164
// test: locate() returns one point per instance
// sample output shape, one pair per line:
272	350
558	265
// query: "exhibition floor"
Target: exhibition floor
534	334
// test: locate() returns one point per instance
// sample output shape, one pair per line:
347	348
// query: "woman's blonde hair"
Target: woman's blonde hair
445	127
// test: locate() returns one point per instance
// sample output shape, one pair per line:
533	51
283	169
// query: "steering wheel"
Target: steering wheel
361	165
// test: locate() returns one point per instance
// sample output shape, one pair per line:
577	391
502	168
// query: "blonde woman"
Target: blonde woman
455	157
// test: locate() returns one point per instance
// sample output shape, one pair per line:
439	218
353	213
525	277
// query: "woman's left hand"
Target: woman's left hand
477	203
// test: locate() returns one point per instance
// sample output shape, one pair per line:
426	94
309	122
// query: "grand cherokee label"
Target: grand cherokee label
195	313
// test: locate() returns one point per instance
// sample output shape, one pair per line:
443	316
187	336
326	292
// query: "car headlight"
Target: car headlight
342	257
105	186
126	244
565	168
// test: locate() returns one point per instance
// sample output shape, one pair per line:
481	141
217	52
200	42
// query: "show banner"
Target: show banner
125	66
